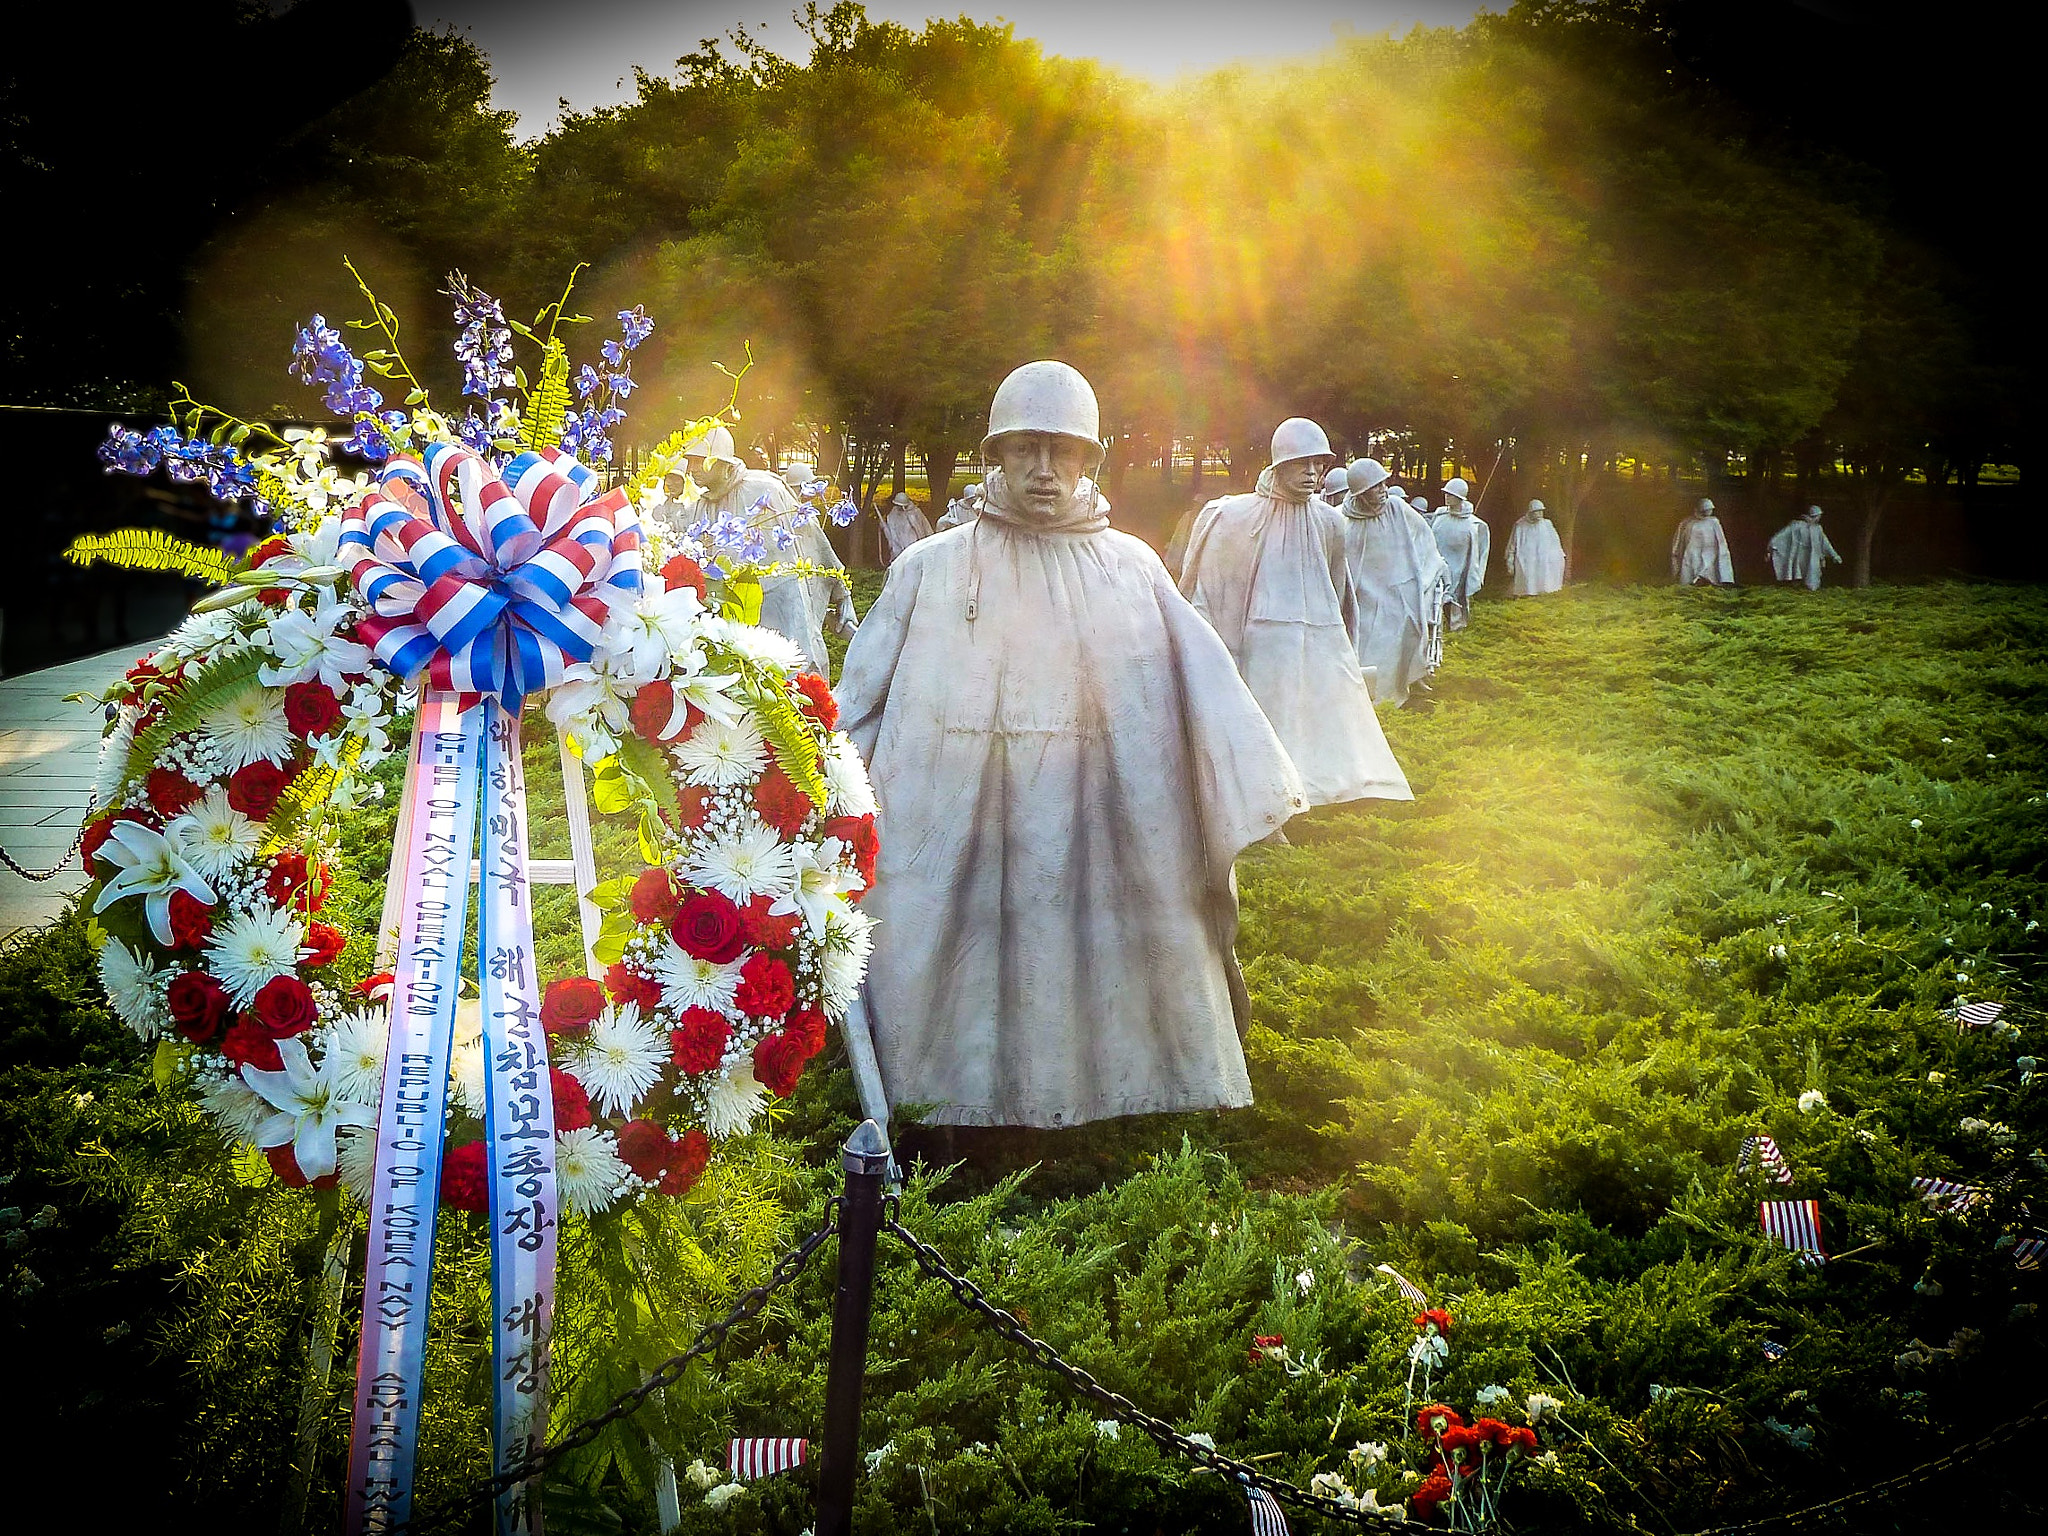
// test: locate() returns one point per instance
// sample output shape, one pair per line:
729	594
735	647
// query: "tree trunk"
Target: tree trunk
938	474
896	480
1866	539
831	453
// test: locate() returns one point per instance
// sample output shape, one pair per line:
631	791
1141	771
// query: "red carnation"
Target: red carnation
766	988
1261	1342
199	1007
858	834
170	791
628	986
691	1156
818	694
571	1004
654	713
465	1184
144	671
95	838
682	571
778	1063
326	941
763	929
699	1044
1435	1419
311	708
808	1025
781	804
1437	1318
1494	1431
645	1148
253	789
248	1044
285	1006
707	927
654	898
290	883
572	1102
284	1162
268	551
1424	1500
191	920
693	804
1522	1439
370	986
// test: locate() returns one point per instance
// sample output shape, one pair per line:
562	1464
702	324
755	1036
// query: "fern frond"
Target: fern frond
550	407
795	747
151	549
191	704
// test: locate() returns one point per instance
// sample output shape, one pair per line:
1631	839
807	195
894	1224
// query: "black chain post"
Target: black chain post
865	1157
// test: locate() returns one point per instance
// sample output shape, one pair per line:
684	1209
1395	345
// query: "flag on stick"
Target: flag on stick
1946	1196
1408	1288
1268	1519
1761	1149
1796	1224
1773	1351
2027	1252
764	1456
1976	1015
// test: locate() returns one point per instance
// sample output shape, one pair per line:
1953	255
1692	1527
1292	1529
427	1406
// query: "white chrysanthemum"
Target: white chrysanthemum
846	776
589	1175
134	987
733	1101
249	728
466	1057
764	647
252	947
752	863
721	753
620	1059
355	1159
849	940
724	1494
215	838
355	1045
236	1107
113	765
687	982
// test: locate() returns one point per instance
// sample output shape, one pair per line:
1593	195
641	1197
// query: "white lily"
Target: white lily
662	624
309	1108
706	690
309	447
365	710
595	701
321	544
307	646
150	865
822	884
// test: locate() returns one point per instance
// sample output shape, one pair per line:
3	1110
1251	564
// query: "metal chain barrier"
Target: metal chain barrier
54	870
630	1402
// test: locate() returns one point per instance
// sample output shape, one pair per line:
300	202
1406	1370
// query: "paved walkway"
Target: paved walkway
48	753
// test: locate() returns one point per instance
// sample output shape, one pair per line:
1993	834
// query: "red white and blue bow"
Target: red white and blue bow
489	581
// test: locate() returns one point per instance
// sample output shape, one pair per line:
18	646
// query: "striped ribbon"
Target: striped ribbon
2027	1252
764	1456
487	581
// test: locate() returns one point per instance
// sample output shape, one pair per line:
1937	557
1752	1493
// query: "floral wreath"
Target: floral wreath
232	748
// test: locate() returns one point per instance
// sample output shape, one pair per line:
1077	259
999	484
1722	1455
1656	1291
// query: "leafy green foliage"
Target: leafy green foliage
151	549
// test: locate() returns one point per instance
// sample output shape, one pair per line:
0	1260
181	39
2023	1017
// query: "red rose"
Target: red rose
763	929
631	987
692	1155
858	834
699	1044
766	988
654	898
781	804
289	882
818	695
693	803
170	791
326	941
248	1043
572	1102
707	927
191	920
465	1183
682	571
310	708
268	551
778	1063
253	789
645	1148
199	1007
808	1025
284	1162
571	1004
285	1006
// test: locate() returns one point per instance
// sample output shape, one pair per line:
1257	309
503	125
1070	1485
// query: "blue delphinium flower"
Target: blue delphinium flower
843	513
189	461
320	357
588	382
484	344
636	325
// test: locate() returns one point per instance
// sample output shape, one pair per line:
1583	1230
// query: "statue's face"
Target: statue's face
1043	468
1374	500
1299	478
715	475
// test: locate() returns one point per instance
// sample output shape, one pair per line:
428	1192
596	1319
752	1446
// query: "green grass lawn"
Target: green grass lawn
1674	859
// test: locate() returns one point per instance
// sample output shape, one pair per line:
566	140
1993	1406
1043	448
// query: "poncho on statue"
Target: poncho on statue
1399	578
903	524
1465	542
1535	554
1270	575
1800	551
1699	550
1066	765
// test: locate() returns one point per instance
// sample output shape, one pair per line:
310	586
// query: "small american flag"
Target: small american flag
1408	1288
1796	1224
764	1456
1268	1519
1761	1149
2027	1252
1976	1015
1946	1196
1773	1351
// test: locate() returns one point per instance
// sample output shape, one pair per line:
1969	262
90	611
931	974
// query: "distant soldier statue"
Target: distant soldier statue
1268	570
1535	554
964	508
1800	550
1066	765
1464	540
1399	578
1335	488
903	524
1699	550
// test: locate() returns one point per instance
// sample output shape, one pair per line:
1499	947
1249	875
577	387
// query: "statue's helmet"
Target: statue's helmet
1334	482
1814	513
1706	505
1299	438
1364	474
714	443
798	475
1536	505
1046	396
1455	488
